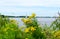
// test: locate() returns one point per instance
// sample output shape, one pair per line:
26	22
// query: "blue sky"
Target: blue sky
21	7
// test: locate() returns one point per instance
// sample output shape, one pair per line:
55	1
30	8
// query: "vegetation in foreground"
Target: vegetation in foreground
9	29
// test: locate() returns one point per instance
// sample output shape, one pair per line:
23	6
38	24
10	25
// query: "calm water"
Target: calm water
41	21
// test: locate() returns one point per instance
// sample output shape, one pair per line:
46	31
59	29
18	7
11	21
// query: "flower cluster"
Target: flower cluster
26	20
30	29
32	16
57	34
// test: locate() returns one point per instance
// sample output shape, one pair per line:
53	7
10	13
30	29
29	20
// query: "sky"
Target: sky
23	7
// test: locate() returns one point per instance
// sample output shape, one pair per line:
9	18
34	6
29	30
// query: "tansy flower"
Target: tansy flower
33	15
27	30
57	34
32	28
26	20
30	17
29	21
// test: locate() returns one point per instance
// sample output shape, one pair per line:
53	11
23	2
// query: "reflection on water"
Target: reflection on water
42	21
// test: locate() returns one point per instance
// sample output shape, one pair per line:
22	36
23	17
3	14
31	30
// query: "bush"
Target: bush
32	30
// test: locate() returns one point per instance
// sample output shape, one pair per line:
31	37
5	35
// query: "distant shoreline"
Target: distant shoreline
28	16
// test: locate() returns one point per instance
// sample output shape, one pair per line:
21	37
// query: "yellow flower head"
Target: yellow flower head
57	34
33	15
32	28
27	30
30	17
26	20
29	21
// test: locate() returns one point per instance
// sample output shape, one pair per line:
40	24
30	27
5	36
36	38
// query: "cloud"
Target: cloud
27	6
47	3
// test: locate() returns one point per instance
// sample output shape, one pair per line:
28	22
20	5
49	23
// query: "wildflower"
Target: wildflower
29	21
27	30
26	20
33	15
30	17
32	29
57	34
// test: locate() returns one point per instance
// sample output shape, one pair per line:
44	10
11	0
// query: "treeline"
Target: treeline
28	16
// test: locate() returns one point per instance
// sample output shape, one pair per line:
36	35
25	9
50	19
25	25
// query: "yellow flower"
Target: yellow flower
26	38
29	21
27	30
57	34
30	17
26	20
58	37
32	29
33	15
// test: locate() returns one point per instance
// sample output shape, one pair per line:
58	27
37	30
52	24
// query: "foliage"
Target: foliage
9	29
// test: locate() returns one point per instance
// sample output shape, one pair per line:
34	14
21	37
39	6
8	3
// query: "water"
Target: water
41	21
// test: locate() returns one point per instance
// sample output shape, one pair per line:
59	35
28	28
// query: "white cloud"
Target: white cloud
47	3
9	6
